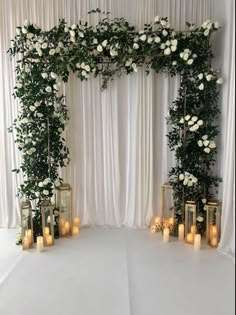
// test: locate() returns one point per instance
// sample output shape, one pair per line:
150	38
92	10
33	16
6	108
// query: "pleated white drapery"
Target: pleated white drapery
117	137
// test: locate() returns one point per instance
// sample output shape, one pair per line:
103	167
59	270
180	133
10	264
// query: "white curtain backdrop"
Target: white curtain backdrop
117	137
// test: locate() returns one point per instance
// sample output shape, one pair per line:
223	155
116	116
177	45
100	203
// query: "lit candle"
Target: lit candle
49	240
214	242
76	221
26	242
189	238
75	230
166	223
193	229
67	227
39	244
28	233
157	220
181	232
213	231
153	229
171	221
166	235
46	231
62	222
197	241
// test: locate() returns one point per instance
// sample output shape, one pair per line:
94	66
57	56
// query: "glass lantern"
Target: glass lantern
213	222
47	222
167	207
27	234
64	204
190	221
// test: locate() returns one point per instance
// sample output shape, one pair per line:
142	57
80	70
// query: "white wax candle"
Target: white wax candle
28	233
46	231
153	229
76	221
214	242
26	242
49	240
39	244
171	221
189	238
214	231
197	241
67	227
166	235
193	229
75	230
181	232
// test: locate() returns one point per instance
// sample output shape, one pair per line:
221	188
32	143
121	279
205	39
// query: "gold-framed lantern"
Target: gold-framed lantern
64	204
213	222
167	207
47	222
27	234
190	221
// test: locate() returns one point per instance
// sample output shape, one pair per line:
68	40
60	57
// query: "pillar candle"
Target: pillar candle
214	242
39	244
193	229
62	222
67	227
166	235
26	242
49	240
171	221
181	232
28	233
76	221
189	238
197	242
75	230
46	231
153	229
214	231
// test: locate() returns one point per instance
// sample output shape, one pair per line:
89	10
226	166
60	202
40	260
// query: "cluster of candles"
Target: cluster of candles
191	238
66	228
28	239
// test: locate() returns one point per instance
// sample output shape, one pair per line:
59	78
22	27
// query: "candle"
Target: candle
62	222
214	242
46	231
171	221
197	242
39	244
49	240
67	227
63	231
213	231
166	235
166	223
75	230
181	232
26	242
28	233
157	220
189	238
76	221
193	229
153	229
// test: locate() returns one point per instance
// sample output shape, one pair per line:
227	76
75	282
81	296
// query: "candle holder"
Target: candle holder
190	221
167	207
47	222
213	222
27	233
64	204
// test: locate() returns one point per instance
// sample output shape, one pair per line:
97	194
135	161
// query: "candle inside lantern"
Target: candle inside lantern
67	227
181	232
76	221
26	242
171	221
28	233
166	235
153	229
197	241
46	231
62	222
157	220
214	242
39	244
214	231
75	230
189	238
193	229
49	240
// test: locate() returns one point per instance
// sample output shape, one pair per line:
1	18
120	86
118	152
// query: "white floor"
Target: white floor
114	272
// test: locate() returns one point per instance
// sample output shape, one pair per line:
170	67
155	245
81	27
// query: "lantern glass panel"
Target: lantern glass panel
47	223
167	201
190	221
213	223
26	225
64	204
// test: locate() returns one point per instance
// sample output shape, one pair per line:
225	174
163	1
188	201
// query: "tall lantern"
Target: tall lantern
47	222
64	204
167	207
213	214
190	221
26	224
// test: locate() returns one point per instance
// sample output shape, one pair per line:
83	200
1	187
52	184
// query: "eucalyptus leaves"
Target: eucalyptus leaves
112	48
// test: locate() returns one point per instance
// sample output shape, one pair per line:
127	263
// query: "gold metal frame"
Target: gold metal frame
211	207
65	187
23	206
46	205
190	205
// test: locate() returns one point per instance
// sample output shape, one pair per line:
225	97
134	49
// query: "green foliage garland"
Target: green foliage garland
112	48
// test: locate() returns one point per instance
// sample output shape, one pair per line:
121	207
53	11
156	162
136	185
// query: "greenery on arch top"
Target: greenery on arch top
112	48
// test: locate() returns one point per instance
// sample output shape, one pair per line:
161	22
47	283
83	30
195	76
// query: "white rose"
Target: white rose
157	39
190	183
95	41
220	81
46	181
72	33
84	73
190	61
190	123
187	117
48	89
66	29
73	27
57	50
206	142
81	34
156	19
87	68
46	192
174	42
60	130
39	115
44	75
72	39
143	37
24	30
78	65
206	32
44	45
18	31
163	46
52	52
164	33
104	43
19	85
113	52
181	177
181	55
167	51
212	145
37	194
201	86
99	48
204	200
53	75
194	118
216	25
29	35
181	121
32	108
134	66
129	62
185	182
194	179
200	219
200	143
195	127
209	77
150	40
174	63
173	48
56	86
205	137
186	56
40	184
200	122
207	150
39	51
167	43
29	152
82	65
204	25
163	22
209	26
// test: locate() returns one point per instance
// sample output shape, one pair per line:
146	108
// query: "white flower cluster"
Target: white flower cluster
162	22
200	219
169	46
193	122
85	69
209	77
187	56
207	144
208	25
188	179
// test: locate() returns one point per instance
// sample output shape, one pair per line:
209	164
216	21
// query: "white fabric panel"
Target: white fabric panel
225	48
117	137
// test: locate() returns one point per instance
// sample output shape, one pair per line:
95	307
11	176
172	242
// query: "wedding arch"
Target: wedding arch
112	48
